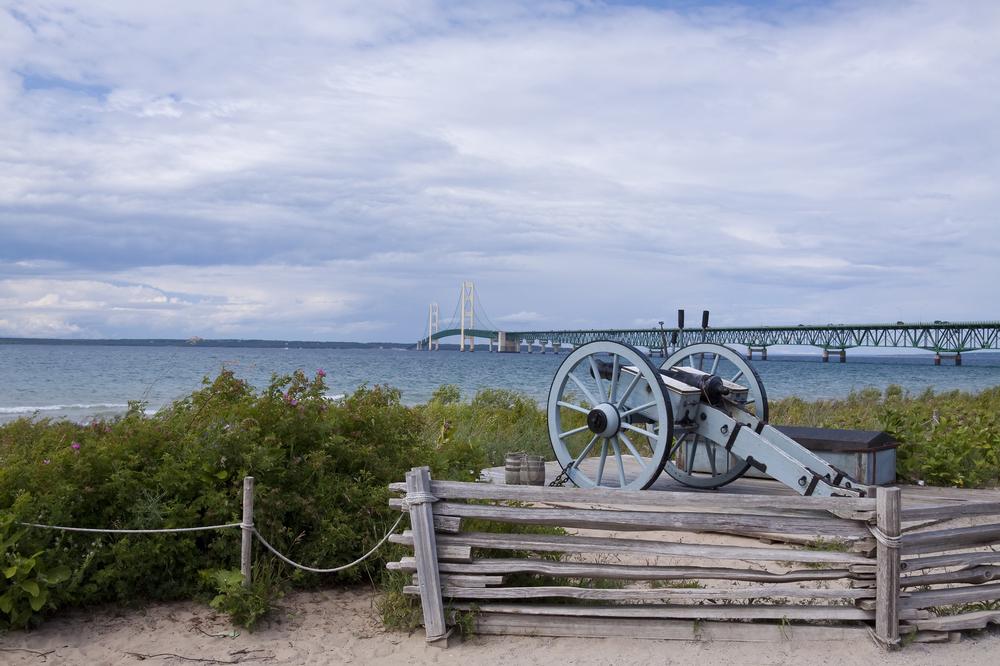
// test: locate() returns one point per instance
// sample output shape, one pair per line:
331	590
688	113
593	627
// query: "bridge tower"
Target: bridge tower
468	316
433	326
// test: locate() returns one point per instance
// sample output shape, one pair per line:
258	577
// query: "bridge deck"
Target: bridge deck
946	337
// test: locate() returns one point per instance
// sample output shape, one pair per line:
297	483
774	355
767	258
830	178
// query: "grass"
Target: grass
675	584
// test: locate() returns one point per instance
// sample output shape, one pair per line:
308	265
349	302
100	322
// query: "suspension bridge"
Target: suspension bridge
947	340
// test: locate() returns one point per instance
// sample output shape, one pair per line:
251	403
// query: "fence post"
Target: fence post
887	507
418	484
246	552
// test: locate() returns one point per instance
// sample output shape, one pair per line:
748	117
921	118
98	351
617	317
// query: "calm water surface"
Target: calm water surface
80	382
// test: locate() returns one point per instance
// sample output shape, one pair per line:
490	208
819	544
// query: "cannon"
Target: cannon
616	420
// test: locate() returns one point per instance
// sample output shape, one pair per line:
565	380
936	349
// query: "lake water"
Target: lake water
80	382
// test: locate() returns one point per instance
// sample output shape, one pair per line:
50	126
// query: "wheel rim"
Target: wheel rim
703	462
609	431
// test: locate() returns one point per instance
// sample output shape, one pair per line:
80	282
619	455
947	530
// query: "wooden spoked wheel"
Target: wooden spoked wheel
702	461
610	420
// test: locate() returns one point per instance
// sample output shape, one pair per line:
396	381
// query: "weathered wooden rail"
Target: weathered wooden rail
830	568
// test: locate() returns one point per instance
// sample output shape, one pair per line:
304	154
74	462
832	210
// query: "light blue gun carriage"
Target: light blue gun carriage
617	420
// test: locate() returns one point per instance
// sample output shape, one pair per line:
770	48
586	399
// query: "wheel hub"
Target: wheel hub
603	420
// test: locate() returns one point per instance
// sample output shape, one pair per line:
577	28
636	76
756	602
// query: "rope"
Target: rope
888	644
110	531
885	539
335	569
415	498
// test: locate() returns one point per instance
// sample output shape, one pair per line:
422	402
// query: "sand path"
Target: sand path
342	627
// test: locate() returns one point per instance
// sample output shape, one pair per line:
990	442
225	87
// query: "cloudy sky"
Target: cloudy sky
324	170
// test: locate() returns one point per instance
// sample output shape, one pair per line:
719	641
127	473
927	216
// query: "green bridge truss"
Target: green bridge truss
941	337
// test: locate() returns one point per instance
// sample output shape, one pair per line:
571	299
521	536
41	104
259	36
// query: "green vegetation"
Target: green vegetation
946	439
494	423
675	584
322	471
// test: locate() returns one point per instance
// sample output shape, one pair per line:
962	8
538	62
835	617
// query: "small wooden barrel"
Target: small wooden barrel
533	470
512	468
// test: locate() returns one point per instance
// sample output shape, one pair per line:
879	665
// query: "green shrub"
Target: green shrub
947	439
27	581
494	423
322	471
245	605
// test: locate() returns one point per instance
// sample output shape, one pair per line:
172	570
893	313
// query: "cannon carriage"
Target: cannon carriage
616	420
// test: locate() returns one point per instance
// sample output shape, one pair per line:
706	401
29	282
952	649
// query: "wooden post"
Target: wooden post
246	552
418	481
887	571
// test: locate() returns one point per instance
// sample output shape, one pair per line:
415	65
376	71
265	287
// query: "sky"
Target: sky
324	170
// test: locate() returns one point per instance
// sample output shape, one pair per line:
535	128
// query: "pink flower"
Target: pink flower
321	373
293	402
46	461
75	446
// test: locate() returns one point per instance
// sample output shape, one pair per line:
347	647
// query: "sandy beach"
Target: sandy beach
342	627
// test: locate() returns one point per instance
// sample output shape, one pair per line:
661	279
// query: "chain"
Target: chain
561	478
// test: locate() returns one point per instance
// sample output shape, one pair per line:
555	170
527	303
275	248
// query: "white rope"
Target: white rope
110	531
415	498
886	643
335	569
885	539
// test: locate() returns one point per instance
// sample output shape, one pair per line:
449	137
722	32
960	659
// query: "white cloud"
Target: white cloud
522	317
320	169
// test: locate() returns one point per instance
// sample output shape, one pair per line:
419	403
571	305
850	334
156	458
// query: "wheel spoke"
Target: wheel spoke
628	389
710	451
604	458
632	449
621	462
564	435
701	361
645	433
676	445
575	408
715	364
638	409
583	388
597	378
692	452
616	370
737	376
586	450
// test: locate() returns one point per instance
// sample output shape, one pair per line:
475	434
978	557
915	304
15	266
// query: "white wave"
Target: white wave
335	396
59	408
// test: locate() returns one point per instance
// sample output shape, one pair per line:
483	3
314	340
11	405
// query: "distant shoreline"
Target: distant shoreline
200	342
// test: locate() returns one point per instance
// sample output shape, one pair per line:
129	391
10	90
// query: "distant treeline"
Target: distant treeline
199	342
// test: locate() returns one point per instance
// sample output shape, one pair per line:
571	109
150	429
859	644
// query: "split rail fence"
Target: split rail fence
829	568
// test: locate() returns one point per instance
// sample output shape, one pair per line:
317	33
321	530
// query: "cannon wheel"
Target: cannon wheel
722	467
607	401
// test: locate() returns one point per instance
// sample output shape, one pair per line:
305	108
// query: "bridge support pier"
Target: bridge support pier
843	356
826	355
763	352
957	356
